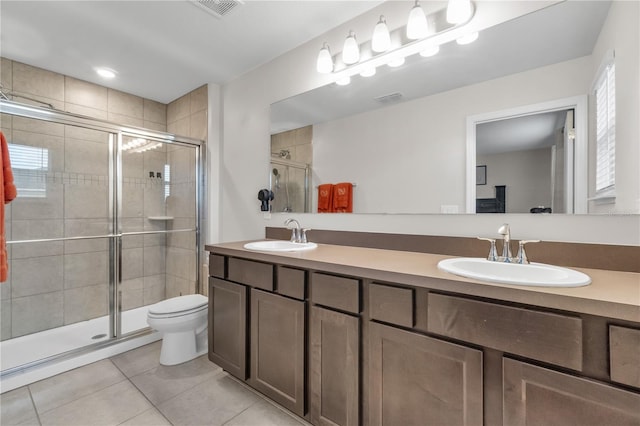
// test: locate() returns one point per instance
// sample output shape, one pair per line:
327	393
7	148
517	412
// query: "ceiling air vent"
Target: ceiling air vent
387	99
218	8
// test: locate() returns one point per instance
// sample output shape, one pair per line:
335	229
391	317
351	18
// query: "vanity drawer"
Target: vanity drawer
336	292
251	273
291	282
391	304
216	265
543	336
624	352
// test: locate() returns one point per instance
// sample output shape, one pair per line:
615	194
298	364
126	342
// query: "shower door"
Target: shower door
105	224
157	223
58	231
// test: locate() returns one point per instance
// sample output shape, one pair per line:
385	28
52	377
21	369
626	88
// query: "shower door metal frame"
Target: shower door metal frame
116	132
307	172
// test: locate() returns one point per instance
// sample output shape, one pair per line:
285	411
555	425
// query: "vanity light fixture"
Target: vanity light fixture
425	33
396	62
368	72
458	11
430	50
468	38
325	61
351	50
381	39
417	26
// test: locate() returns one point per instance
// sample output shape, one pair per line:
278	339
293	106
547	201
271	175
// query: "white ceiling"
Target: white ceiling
162	49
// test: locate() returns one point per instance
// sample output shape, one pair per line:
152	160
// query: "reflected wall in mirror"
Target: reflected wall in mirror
401	135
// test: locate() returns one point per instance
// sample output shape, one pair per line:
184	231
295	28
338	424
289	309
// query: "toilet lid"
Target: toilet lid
179	304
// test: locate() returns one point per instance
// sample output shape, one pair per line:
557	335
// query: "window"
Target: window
606	131
30	165
167	181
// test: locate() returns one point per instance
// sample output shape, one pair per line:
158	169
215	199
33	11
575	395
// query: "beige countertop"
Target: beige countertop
611	294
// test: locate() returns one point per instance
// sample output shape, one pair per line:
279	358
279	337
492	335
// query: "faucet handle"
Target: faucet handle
303	235
493	253
521	257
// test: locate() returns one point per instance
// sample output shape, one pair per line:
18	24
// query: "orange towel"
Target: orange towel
343	197
325	198
8	193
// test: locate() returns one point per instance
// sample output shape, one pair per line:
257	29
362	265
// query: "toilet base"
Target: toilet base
182	347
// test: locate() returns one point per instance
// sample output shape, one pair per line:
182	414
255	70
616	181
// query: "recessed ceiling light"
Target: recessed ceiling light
106	73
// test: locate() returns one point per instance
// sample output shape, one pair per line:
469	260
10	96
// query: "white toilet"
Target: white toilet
183	322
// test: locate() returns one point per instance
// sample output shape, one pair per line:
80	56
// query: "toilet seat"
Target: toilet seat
179	306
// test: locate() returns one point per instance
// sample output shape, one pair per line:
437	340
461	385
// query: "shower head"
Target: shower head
275	172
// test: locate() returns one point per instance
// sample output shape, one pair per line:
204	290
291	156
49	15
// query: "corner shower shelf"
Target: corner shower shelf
160	218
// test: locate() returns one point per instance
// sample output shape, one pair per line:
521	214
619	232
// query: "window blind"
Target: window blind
606	130
30	165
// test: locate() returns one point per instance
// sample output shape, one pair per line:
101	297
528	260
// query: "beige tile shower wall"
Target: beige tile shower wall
186	116
57	283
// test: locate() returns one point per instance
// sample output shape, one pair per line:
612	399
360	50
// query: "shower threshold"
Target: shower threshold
53	351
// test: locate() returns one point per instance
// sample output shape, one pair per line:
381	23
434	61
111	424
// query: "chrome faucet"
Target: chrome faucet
298	234
507	256
506	243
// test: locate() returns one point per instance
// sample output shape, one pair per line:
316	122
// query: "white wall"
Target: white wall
621	33
527	175
245	154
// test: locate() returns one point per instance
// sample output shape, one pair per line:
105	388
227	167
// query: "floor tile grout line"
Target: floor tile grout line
76	399
35	409
142	393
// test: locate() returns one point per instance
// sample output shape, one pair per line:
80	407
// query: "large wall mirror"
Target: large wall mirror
401	135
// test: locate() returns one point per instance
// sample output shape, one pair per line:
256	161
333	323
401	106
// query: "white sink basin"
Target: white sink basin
279	246
534	274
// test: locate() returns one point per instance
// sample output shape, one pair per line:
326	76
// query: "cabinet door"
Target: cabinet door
335	357
228	326
277	349
539	396
418	380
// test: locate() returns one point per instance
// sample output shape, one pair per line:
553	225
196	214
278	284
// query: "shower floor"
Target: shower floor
33	347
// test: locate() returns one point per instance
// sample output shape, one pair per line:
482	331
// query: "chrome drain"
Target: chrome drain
98	336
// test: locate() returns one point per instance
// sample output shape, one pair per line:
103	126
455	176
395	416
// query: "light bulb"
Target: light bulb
458	11
468	38
417	26
324	64
368	72
396	62
350	51
343	81
430	50
381	40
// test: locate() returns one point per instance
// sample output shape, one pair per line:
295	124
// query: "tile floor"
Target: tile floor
134	389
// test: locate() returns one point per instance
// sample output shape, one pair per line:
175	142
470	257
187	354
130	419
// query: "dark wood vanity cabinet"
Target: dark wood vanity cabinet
343	350
228	326
334	350
539	396
418	380
278	349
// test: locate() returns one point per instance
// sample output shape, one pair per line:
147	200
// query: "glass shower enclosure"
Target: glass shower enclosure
107	221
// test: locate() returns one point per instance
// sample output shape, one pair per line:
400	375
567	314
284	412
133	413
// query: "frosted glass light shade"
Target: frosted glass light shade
396	62
381	40
430	51
468	38
350	51
343	81
324	65
417	26
368	72
458	11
